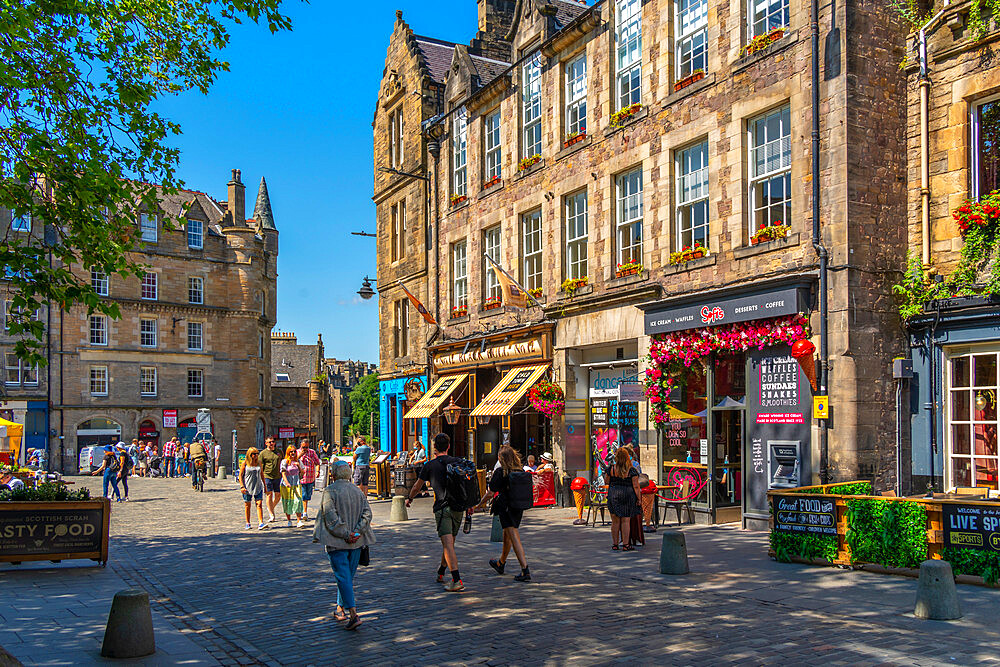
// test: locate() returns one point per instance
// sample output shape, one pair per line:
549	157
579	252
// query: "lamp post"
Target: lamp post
366	292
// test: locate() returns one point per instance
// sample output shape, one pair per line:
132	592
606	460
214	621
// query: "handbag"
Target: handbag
366	556
496	532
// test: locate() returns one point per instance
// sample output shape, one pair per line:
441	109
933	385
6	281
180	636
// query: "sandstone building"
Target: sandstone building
343	376
300	396
620	160
194	332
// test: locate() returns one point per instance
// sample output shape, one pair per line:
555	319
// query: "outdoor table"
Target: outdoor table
659	497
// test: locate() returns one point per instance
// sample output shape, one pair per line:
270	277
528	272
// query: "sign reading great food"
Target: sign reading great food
971	527
804	514
31	532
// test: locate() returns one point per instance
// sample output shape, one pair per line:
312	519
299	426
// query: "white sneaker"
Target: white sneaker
272	517
248	526
305	516
261	526
300	524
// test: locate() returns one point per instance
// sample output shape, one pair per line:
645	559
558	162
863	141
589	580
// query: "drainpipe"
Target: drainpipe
925	177
817	244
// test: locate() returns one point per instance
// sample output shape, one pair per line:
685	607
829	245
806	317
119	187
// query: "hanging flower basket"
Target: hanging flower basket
670	354
548	398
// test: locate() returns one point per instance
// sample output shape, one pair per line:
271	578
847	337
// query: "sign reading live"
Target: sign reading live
805	514
710	313
778	399
51	531
971	527
170	419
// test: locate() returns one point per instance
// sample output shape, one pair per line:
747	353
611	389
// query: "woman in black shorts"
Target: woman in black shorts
623	498
510	518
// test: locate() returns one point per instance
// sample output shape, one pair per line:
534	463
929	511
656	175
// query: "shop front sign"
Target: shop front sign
631	392
170	419
520	351
971	527
286	432
805	514
605	382
725	310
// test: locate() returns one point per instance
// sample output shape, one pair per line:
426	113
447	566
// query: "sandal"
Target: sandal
354	623
628	547
339	615
614	547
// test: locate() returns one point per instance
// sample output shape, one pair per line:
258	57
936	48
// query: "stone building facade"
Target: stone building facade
343	376
300	396
949	419
593	144
194	332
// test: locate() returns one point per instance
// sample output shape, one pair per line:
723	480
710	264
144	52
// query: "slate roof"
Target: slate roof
262	210
567	10
437	55
175	206
299	361
487	68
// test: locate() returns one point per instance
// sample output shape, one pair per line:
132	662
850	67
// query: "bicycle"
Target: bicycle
198	476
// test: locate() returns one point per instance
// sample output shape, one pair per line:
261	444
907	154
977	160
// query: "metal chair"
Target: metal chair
598	502
681	501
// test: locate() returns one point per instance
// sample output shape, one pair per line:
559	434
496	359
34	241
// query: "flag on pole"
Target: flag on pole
514	296
419	306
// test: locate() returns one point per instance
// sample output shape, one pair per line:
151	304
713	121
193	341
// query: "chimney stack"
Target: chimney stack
237	201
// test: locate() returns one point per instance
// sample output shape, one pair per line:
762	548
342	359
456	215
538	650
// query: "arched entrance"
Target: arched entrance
97	431
148	433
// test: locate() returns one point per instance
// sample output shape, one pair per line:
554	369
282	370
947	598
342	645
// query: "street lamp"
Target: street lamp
366	292
482	420
452	413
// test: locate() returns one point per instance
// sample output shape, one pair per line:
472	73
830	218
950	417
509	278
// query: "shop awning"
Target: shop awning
436	396
512	387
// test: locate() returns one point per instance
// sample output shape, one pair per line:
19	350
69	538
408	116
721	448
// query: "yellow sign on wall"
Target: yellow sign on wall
821	407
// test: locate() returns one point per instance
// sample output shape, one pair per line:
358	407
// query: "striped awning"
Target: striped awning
512	387
435	396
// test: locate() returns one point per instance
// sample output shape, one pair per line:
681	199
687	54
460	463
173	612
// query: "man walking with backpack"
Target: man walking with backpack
448	512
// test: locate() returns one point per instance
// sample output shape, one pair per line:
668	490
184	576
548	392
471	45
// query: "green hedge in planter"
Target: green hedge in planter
786	546
887	533
44	493
971	561
853	489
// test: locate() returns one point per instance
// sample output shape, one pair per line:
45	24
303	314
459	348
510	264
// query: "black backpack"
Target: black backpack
461	485
522	493
128	464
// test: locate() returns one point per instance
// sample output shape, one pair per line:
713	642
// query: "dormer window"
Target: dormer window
148	228
195	234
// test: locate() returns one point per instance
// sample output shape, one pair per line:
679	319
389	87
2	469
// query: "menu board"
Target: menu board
804	514
971	527
51	531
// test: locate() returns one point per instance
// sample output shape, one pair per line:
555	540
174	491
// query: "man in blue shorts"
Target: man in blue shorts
362	459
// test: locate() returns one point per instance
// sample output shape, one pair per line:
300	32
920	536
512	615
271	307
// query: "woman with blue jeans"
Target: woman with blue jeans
110	467
343	525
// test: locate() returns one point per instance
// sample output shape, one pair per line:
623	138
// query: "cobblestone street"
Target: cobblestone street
223	595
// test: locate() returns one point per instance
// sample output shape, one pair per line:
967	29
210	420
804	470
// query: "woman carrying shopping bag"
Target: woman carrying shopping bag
343	526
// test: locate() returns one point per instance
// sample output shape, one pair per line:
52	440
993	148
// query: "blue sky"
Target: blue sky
297	108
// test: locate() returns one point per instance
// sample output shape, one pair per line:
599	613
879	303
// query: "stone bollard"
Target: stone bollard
937	598
398	510
673	553
222	472
129	633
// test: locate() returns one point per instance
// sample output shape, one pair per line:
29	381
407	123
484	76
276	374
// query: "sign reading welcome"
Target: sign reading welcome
971	527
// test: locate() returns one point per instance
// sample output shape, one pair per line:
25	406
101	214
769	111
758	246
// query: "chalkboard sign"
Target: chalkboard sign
45	531
804	514
971	527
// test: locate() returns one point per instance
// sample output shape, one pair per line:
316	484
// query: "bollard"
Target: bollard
129	633
937	598
673	553
398	510
222	472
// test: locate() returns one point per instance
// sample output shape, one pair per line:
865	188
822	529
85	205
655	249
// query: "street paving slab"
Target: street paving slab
222	595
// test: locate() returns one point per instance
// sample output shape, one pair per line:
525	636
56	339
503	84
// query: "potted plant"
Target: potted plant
59	524
696	75
529	161
536	292
761	42
490	183
571	285
458	199
618	118
698	250
575	137
628	269
492	303
776	230
459	311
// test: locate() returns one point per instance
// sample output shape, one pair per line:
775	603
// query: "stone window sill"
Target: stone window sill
789	38
706	82
458	320
583	291
485	314
615	283
538	166
583	143
768	246
458	207
486	192
690	265
631	120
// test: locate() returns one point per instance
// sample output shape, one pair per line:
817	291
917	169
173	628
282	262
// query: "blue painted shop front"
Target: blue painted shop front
395	433
955	350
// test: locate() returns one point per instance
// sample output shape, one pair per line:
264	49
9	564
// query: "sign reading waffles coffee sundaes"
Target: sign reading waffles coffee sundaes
726	310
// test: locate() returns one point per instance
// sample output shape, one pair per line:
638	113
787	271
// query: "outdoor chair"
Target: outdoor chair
888	494
598	503
681	501
983	491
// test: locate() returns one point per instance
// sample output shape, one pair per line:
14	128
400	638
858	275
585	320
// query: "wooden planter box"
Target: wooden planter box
577	139
493	305
55	531
687	81
626	272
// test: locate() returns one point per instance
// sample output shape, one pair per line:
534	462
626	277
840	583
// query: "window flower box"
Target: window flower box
536	292
492	303
459	311
571	285
529	161
575	137
490	183
761	42
618	118
687	253
697	75
773	232
458	199
628	269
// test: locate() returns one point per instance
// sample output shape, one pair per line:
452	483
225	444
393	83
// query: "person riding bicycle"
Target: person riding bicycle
198	458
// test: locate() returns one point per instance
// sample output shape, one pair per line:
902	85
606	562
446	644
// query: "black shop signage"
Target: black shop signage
723	310
804	514
50	531
971	527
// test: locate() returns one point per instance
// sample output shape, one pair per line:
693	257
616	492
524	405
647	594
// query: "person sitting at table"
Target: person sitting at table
530	465
8	481
547	463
